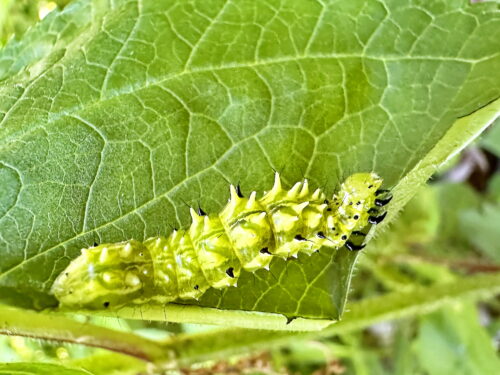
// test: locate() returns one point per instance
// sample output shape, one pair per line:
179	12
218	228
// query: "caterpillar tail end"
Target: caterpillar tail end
106	276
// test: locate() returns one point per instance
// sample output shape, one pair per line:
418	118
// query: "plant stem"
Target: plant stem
419	300
18	322
189	348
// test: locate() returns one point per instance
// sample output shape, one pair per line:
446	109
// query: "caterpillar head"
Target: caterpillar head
106	276
350	206
362	186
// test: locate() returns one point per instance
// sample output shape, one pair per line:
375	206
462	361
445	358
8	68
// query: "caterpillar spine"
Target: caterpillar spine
213	251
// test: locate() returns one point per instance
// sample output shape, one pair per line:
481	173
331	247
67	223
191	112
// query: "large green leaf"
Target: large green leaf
132	107
452	341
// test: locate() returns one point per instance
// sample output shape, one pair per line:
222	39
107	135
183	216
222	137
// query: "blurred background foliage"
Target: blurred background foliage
450	229
16	16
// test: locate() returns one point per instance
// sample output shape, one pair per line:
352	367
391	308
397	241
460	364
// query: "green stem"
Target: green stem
18	322
189	348
419	300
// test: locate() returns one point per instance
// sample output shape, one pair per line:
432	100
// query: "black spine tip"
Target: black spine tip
381	191
377	219
230	272
106	304
290	319
96	244
265	250
299	237
238	191
201	212
196	287
359	233
321	235
350	246
382	202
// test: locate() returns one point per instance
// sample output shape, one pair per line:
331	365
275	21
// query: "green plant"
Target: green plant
115	113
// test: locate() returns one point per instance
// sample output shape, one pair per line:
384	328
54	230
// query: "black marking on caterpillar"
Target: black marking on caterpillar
353	247
246	235
382	202
377	219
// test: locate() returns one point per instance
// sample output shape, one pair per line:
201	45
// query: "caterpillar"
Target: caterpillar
246	235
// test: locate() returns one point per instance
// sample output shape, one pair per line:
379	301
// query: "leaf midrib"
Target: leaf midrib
209	69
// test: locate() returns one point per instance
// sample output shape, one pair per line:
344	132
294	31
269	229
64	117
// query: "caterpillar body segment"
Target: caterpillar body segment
218	263
213	251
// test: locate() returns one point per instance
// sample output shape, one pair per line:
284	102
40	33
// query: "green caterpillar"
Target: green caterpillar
246	235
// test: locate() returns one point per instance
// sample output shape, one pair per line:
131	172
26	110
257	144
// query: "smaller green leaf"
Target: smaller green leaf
110	363
38	369
494	188
480	227
454	199
18	322
452	341
491	140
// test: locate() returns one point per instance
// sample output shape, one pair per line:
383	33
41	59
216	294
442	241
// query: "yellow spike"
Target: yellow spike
206	223
300	207
305	188
294	190
261	217
107	277
251	199
317	193
132	279
329	221
127	250
323	206
175	234
104	255
277	184
194	215
234	194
